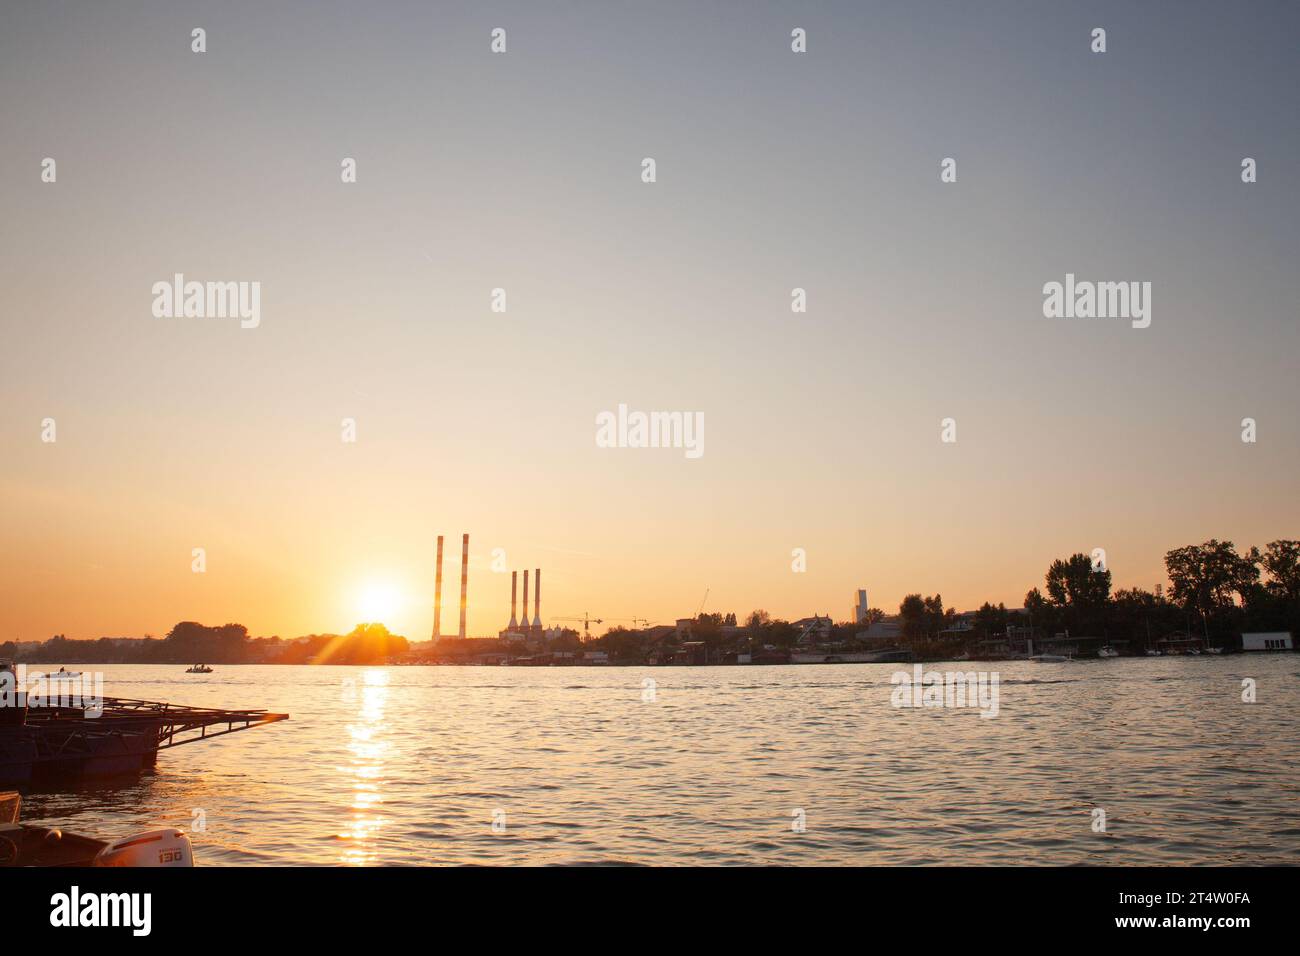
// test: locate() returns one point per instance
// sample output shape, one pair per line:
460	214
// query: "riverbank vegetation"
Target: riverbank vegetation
1214	593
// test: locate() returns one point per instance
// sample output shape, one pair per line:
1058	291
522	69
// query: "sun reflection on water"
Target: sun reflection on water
366	770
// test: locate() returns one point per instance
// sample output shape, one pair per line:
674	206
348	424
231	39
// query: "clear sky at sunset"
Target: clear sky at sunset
522	171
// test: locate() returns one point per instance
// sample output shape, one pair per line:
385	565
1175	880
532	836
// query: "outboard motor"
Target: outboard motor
167	847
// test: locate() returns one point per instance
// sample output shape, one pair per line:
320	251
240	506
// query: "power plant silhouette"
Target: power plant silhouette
464	587
517	625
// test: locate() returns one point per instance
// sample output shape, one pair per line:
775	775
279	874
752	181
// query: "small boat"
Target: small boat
1152	652
1193	652
27	845
1107	651
1214	650
62	674
199	669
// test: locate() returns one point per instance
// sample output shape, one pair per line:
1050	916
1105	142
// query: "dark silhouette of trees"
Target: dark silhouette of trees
1281	560
992	621
1080	593
911	613
1204	578
1211	584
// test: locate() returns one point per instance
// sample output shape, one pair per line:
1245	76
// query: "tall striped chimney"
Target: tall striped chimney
464	579
537	598
437	595
514	594
525	619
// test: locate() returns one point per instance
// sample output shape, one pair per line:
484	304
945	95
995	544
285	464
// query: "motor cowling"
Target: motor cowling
166	847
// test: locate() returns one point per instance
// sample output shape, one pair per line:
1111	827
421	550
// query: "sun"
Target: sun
377	602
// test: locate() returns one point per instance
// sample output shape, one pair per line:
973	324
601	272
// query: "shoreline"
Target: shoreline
43	666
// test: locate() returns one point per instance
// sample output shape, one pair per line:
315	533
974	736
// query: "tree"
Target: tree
912	617
622	644
1281	559
779	632
990	620
1042	615
1142	616
1074	582
1080	592
1204	577
936	618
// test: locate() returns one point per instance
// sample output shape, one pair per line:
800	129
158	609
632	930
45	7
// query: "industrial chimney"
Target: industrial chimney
464	579
524	622
437	595
537	599
514	595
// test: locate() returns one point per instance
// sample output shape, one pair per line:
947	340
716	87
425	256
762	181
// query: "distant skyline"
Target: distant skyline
523	171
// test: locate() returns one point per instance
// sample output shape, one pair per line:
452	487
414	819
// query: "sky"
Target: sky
522	170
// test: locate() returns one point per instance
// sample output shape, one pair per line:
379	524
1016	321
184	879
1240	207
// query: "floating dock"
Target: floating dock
59	746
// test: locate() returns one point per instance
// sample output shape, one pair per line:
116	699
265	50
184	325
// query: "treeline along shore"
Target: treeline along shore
189	643
1214	594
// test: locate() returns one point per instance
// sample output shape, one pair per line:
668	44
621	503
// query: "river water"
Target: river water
721	765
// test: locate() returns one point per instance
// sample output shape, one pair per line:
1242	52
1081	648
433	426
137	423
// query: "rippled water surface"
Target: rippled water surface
409	765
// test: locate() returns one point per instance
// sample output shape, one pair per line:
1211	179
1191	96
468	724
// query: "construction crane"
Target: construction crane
633	620
586	620
700	610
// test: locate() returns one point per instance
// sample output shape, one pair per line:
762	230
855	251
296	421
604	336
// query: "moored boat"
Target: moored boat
29	845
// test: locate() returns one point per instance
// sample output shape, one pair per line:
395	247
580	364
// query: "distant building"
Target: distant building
692	652
1266	641
889	631
813	629
860	607
962	625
